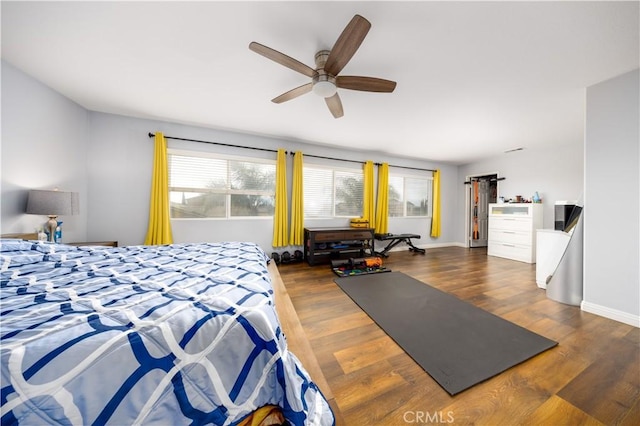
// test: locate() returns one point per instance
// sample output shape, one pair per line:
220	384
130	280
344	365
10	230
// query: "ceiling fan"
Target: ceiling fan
324	78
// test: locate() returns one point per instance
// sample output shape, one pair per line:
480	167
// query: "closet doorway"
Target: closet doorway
482	190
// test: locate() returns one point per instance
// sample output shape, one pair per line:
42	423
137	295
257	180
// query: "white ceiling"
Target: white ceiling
474	78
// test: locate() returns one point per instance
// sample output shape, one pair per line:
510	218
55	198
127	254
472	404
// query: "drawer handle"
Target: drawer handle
508	245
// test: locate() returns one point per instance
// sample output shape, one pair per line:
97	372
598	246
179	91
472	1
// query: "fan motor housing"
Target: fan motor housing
324	84
321	59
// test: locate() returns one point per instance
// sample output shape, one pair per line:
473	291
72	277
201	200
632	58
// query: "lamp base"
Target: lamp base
52	224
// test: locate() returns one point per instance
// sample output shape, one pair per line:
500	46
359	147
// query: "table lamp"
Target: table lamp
52	204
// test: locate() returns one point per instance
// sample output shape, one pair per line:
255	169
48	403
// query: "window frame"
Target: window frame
228	192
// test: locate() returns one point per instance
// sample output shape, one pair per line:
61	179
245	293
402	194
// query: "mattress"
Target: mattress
175	334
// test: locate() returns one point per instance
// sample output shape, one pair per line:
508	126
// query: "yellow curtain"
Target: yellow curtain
296	237
280	231
159	231
368	206
382	208
435	220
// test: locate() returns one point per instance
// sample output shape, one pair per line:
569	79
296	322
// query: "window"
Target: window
332	192
204	185
409	196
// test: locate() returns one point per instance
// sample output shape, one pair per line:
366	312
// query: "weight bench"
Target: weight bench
394	240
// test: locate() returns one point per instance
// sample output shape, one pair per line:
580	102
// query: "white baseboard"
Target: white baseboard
439	245
463	245
613	314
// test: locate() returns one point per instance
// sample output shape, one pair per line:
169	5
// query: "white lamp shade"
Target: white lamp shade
53	203
326	89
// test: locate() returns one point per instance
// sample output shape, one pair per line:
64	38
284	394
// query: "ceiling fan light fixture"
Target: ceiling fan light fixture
324	89
324	85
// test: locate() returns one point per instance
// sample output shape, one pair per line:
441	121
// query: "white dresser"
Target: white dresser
512	230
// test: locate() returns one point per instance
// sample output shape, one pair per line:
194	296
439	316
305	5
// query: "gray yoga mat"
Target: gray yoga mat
458	344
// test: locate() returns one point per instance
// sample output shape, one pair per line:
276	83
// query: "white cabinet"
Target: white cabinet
512	231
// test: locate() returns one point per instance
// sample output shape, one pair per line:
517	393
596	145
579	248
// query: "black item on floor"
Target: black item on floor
358	266
458	344
395	239
285	257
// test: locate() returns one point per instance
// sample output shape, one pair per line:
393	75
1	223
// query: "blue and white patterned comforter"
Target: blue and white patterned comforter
169	335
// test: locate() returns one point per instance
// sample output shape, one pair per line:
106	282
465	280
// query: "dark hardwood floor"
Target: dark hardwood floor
591	377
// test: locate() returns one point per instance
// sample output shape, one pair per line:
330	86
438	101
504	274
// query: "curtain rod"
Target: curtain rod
410	168
330	158
485	180
362	162
151	135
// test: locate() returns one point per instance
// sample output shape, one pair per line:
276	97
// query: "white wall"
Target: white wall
120	156
44	146
612	206
556	173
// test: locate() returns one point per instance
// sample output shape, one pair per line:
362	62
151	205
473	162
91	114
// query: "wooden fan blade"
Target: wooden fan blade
347	44
367	84
335	105
293	93
282	59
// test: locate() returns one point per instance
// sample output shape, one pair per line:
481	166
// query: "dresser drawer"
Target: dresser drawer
357	235
510	223
511	251
329	236
512	237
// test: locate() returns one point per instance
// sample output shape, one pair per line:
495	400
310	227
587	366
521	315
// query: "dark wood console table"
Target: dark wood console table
95	243
322	245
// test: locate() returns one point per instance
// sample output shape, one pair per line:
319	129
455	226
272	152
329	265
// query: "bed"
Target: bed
171	335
